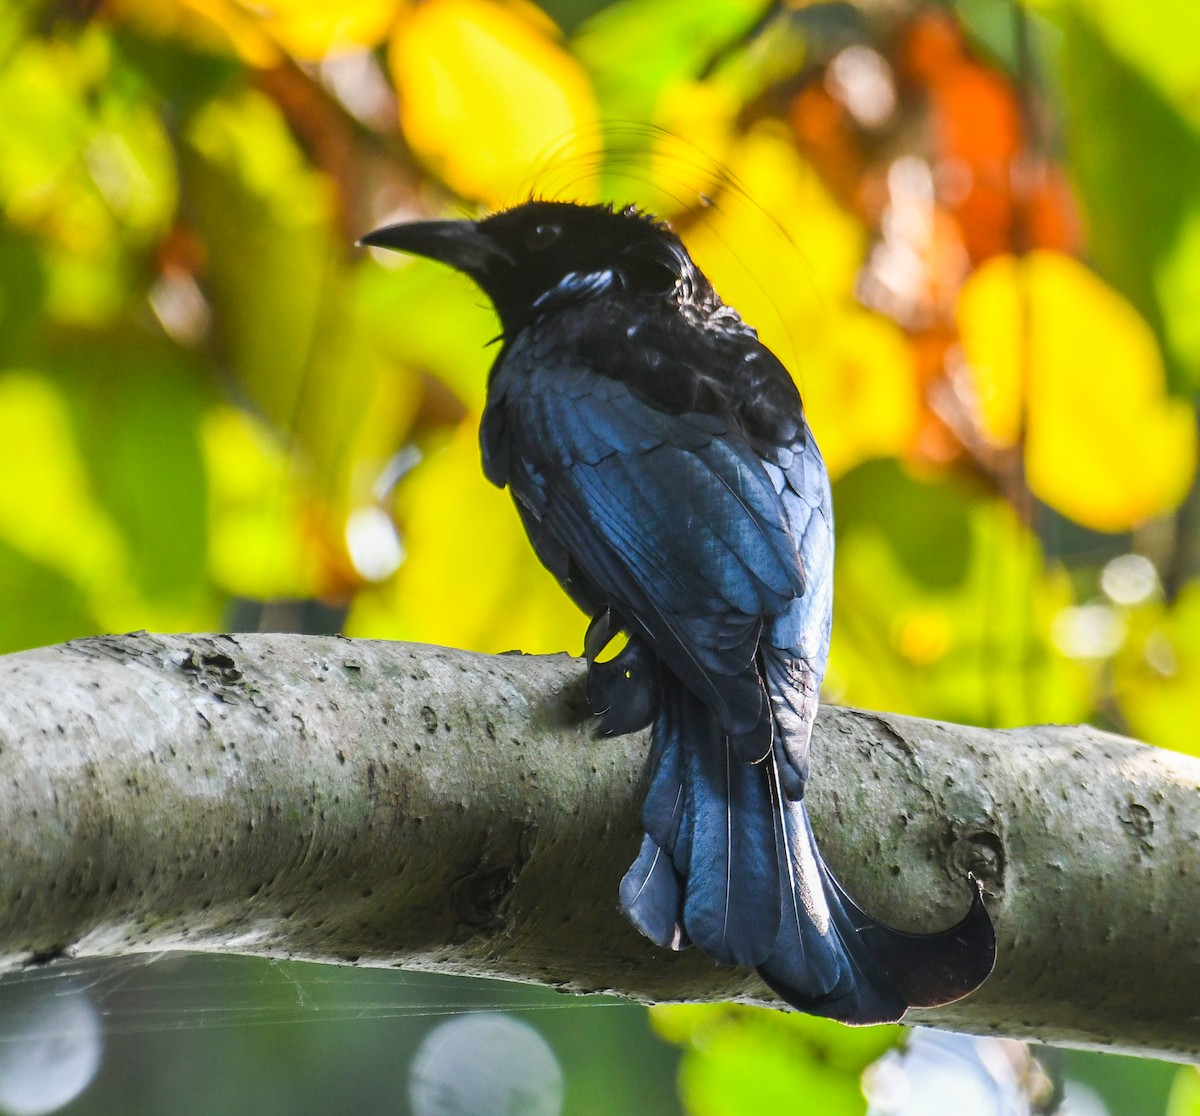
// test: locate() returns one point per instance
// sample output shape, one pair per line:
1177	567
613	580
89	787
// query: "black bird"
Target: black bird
660	461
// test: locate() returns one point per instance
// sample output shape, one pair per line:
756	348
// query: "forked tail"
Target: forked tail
729	863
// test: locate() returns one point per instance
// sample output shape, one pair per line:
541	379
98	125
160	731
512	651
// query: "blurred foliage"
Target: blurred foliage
972	231
744	1060
1185	1097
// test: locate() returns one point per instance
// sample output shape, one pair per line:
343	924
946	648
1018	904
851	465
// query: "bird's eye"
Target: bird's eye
651	276
542	236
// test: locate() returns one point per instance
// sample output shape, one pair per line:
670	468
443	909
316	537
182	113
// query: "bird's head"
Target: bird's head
540	255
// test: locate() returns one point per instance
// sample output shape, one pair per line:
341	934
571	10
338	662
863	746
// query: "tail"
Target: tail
729	863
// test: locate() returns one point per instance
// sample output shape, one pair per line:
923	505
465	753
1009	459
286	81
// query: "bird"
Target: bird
662	466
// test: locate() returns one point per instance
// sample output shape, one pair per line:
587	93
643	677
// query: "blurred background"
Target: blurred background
972	232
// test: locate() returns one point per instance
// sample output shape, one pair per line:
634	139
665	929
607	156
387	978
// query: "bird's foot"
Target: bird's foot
622	691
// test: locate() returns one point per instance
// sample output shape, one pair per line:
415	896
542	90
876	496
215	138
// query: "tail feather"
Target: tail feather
652	889
886	971
820	964
652	897
730	863
731	907
926	969
663	808
794	688
806	952
698	812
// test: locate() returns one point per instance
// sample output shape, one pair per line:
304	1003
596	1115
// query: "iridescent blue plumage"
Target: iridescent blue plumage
660	461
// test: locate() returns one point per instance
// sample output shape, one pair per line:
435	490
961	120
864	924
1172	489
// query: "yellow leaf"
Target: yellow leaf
923	634
1048	341
312	29
692	144
256	545
47	509
1185	1093
210	25
781	250
669	167
486	94
776	245
859	385
1156	671
259	33
471	579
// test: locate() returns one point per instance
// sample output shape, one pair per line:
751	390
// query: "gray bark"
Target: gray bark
389	804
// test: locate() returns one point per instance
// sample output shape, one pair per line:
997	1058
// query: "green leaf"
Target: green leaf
258	546
927	526
1185	1094
633	48
86	166
751	1060
22	293
847	1048
43	606
47	510
262	214
285	309
425	315
1156	675
741	1074
136	407
183	77
944	606
1129	73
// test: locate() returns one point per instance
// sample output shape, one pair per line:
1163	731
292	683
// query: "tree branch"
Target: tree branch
390	804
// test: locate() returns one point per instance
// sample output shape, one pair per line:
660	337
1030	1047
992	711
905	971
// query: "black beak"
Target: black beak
460	244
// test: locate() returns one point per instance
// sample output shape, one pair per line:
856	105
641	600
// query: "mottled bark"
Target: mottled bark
389	804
